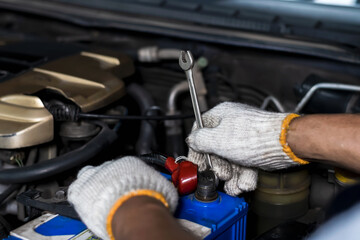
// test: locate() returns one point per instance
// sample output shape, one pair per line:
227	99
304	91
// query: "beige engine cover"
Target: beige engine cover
90	80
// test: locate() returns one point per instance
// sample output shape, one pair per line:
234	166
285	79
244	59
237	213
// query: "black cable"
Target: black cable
122	117
154	158
70	112
67	112
62	163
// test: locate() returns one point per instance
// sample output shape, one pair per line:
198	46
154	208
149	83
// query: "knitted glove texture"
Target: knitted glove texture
237	179
244	135
98	188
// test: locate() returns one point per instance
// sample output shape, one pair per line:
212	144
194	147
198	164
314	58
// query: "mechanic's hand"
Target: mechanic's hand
237	179
246	136
99	191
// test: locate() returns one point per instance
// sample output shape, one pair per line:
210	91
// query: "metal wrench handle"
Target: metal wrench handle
186	62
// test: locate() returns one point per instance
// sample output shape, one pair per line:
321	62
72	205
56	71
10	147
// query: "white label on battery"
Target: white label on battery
26	232
85	235
198	230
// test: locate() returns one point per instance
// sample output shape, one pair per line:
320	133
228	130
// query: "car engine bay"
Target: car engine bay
72	96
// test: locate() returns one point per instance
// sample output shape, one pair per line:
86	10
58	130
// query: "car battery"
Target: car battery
52	227
223	218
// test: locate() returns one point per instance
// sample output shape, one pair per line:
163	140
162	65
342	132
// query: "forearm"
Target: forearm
333	138
146	218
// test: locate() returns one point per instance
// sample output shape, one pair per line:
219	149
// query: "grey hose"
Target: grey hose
165	54
175	91
145	101
154	54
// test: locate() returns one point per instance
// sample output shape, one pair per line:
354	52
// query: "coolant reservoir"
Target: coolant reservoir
280	196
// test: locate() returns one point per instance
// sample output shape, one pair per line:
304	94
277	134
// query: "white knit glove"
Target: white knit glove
99	191
246	136
237	179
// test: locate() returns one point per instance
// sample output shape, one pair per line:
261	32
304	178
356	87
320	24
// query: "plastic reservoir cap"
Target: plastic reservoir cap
206	188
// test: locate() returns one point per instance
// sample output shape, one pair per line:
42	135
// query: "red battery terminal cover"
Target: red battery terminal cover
183	175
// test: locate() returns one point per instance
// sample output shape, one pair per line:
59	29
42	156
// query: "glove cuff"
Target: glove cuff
283	141
274	152
124	198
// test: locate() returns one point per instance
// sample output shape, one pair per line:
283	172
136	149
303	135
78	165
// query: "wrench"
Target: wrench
186	62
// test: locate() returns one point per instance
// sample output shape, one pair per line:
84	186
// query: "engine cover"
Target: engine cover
91	80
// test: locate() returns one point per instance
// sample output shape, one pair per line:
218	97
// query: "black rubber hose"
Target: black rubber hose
147	136
62	163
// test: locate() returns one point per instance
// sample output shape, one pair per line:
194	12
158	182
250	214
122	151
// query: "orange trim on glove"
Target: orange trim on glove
284	129
124	198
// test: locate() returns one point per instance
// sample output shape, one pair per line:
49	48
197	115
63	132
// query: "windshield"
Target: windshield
350	3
